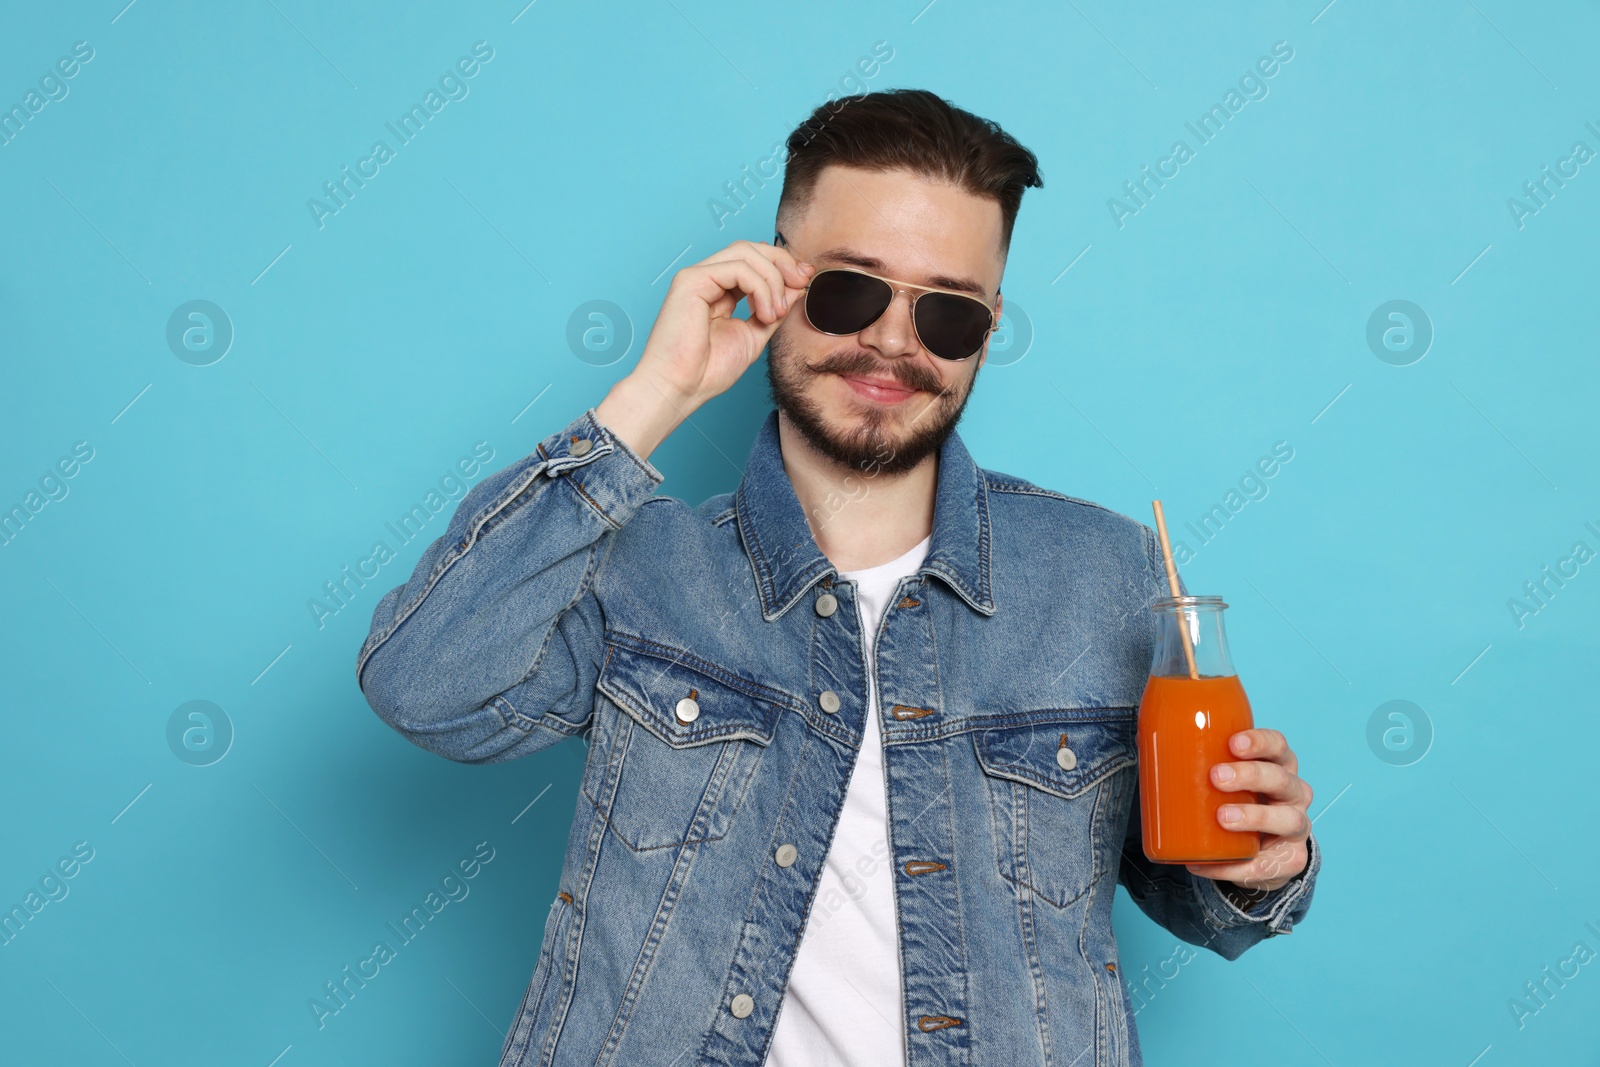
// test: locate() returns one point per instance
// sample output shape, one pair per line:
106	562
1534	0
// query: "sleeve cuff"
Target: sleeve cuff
614	478
1278	910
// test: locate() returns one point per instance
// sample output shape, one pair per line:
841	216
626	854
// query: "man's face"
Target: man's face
896	224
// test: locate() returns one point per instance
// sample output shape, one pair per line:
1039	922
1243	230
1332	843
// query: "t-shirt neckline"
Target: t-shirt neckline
915	551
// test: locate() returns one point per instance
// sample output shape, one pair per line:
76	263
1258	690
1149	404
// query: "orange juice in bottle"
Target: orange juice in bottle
1193	703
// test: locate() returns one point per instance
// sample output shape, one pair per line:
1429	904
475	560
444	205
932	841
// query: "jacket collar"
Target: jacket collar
786	560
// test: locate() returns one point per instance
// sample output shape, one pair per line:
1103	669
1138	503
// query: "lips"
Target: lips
881	390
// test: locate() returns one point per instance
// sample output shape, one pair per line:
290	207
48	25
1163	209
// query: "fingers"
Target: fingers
795	273
770	273
1263	745
1270	779
772	281
1267	770
727	280
1282	820
1277	862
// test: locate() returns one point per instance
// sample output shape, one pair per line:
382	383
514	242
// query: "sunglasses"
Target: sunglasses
842	300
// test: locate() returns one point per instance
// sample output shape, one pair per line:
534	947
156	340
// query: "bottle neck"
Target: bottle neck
1207	642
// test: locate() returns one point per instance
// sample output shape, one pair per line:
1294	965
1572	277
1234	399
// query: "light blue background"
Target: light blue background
425	316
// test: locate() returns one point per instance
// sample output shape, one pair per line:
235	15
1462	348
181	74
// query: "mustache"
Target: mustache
860	364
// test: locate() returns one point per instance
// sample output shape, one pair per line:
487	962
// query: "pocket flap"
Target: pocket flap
1100	741
648	681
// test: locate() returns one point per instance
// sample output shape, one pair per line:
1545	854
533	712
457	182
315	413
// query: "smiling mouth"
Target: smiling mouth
879	390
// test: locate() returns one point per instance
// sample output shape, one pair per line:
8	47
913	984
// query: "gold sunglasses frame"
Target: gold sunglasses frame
901	287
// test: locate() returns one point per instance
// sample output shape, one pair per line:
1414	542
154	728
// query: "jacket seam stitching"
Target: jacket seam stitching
590	569
800	763
1030	490
551	961
474	530
649	951
977	724
981	501
727	766
623	447
1036	971
755	690
964	1042
591	864
1028	778
756	554
598	510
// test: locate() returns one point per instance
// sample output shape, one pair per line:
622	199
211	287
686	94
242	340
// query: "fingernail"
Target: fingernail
1240	745
1229	812
808	268
1223	773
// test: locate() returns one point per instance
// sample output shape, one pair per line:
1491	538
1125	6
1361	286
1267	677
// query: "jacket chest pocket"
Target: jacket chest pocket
1054	787
671	763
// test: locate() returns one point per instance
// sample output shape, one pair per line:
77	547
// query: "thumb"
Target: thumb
760	333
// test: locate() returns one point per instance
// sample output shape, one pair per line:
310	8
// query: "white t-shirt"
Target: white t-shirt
842	1008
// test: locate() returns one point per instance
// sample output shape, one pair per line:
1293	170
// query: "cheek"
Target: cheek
958	385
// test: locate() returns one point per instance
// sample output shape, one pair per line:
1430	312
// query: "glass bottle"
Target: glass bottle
1192	704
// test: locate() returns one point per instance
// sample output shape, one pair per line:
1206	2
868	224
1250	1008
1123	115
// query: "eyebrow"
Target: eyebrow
849	256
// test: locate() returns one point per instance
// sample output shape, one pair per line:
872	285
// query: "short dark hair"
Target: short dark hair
915	130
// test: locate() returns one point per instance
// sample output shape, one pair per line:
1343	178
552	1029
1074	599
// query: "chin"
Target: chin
852	430
859	419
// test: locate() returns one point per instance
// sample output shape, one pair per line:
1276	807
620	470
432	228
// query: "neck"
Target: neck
858	518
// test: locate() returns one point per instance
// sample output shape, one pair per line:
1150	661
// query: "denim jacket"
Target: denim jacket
712	659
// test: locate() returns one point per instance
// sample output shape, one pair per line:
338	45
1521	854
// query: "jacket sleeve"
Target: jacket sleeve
1194	908
491	650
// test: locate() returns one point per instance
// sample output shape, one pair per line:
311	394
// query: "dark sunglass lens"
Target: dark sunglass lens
843	302
951	327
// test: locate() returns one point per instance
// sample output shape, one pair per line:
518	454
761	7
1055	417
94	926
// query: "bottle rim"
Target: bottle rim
1175	602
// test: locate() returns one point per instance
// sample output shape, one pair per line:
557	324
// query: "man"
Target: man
825	815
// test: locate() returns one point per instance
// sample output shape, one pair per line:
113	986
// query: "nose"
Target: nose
894	334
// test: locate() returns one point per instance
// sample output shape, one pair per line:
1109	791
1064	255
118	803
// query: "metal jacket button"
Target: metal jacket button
827	604
829	700
581	446
742	1006
688	710
1066	759
786	855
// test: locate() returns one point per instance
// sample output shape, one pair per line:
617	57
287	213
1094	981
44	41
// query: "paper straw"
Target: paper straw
1172	583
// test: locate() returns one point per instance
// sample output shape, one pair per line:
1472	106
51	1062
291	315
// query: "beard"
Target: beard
872	446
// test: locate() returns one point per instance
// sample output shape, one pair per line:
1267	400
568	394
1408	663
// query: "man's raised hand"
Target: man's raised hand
697	348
